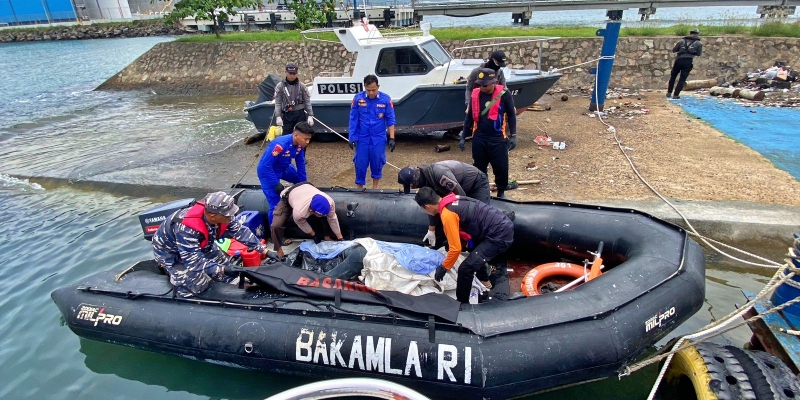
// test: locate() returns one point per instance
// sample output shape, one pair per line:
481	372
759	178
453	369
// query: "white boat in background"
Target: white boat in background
426	82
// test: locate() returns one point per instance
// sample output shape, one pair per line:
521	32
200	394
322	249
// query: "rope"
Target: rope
263	143
345	139
718	327
578	65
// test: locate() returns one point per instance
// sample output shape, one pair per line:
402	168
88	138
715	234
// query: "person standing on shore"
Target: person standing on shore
492	122
687	49
292	104
371	117
497	60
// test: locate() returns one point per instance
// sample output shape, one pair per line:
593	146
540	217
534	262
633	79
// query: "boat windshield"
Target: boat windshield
436	52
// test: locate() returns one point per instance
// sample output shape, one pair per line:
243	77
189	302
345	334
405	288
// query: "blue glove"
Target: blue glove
352	145
461	144
391	145
512	142
440	271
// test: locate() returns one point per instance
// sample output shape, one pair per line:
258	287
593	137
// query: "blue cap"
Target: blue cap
320	204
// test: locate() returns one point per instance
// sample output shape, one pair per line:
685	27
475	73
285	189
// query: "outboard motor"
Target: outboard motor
266	89
151	219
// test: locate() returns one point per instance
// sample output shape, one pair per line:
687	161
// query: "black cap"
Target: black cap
695	31
291	68
486	76
407	177
500	57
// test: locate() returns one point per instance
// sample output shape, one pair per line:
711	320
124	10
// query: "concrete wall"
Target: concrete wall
238	68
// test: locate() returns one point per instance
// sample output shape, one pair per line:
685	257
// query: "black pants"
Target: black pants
474	265
321	227
681	66
493	151
291	118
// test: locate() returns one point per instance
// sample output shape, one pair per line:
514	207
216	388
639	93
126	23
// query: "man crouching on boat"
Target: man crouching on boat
307	205
184	243
487	231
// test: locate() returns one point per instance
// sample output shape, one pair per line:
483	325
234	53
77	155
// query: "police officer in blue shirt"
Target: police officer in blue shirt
371	115
276	163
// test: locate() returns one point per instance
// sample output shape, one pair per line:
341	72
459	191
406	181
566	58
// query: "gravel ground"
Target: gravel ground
680	156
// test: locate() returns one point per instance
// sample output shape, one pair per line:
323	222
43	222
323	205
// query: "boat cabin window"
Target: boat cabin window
436	52
401	61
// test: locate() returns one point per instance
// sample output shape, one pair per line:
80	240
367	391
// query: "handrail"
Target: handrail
529	39
335	388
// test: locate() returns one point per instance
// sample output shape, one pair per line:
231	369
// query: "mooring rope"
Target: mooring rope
721	325
346	140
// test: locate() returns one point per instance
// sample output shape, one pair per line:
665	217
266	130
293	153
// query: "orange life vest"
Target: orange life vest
194	220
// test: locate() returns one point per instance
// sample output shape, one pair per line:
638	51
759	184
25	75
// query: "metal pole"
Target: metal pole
46	12
603	71
14	13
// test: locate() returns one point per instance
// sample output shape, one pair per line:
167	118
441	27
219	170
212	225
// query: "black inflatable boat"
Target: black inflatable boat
299	323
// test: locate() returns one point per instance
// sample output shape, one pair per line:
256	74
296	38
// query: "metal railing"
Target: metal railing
505	41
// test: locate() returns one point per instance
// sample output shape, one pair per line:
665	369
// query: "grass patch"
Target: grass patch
777	29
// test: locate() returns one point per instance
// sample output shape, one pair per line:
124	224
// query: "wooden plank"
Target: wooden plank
782	345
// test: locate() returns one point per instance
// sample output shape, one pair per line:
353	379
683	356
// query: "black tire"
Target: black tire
703	372
769	376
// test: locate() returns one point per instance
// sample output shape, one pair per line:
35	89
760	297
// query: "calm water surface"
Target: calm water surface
52	124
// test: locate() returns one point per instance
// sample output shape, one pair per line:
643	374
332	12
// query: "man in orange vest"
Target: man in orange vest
492	122
184	243
487	231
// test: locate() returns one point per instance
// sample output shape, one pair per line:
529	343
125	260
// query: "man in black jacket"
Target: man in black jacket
492	121
687	49
497	60
445	177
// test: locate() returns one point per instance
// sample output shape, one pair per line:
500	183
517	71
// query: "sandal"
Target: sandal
287	242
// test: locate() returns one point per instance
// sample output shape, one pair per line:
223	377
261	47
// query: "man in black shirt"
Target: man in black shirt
492	121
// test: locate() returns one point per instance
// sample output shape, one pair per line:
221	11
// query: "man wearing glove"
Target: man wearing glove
276	163
292	101
487	231
307	206
371	117
492	122
445	177
184	243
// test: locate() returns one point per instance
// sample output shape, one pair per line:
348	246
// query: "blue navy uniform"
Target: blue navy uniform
191	267
276	164
369	120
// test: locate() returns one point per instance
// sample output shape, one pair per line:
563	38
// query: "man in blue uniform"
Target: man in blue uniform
276	163
371	116
184	243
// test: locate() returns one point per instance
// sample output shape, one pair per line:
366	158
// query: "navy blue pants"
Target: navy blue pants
289	175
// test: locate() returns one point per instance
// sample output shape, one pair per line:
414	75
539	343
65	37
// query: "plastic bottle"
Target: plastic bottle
473	295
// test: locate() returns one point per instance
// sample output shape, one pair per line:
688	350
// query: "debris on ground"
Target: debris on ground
539	107
564	97
776	86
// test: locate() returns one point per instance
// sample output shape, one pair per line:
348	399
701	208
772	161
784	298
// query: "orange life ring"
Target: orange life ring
534	277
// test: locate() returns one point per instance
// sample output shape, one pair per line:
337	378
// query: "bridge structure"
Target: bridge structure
523	9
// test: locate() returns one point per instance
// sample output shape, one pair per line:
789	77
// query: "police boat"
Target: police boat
290	320
425	81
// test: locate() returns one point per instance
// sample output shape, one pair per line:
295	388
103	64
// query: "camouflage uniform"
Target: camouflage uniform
190	267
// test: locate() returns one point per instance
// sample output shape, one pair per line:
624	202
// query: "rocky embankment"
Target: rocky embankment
94	31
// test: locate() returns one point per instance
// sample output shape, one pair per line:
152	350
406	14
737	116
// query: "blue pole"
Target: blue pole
603	71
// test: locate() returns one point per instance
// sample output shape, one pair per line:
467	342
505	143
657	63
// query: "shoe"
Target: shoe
501	196
513	184
669	94
676	97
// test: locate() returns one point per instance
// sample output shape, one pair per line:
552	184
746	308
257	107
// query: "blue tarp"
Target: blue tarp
772	131
421	260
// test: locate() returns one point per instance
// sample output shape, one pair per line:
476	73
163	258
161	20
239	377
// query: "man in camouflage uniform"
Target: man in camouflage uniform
184	243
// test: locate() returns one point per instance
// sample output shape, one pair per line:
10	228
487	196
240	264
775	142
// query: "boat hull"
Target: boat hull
426	109
498	349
